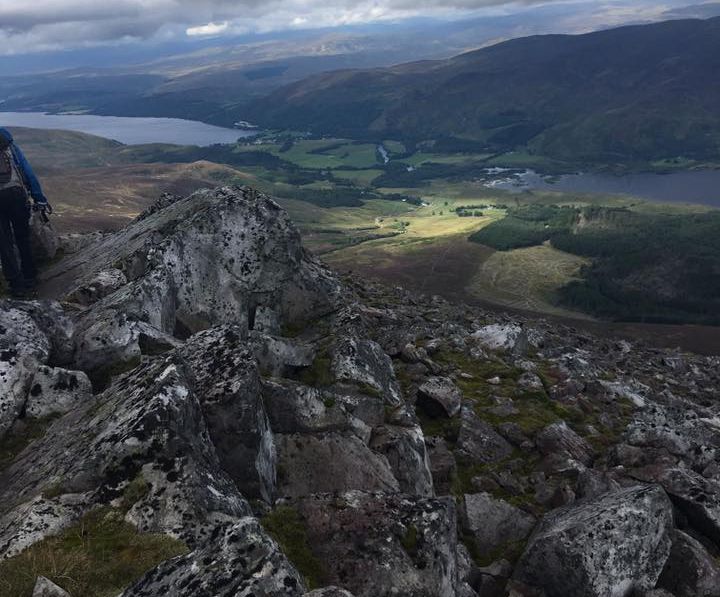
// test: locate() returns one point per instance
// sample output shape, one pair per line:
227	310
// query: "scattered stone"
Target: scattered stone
103	284
329	592
182	318
439	396
280	357
690	570
530	382
56	391
498	569
696	497
593	483
413	354
23	349
46	588
364	362
500	337
227	381
215	257
240	560
405	451
442	464
494	523
559	440
477	440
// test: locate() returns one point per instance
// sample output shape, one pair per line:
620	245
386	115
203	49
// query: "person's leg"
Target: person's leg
21	227
10	267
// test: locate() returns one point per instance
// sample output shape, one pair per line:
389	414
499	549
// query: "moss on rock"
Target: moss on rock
285	525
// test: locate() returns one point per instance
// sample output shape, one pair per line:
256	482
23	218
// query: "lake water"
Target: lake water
692	186
130	131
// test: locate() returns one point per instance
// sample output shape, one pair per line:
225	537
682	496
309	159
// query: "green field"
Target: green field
328	154
527	279
607	256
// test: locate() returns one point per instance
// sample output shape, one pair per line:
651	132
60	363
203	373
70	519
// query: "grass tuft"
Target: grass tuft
285	525
319	374
97	557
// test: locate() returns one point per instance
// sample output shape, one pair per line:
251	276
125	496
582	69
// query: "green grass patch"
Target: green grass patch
327	154
359	177
97	557
477	387
52	491
319	374
527	226
369	390
394	147
136	490
285	525
409	540
467	470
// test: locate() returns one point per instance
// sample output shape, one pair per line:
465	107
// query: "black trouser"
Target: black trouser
15	231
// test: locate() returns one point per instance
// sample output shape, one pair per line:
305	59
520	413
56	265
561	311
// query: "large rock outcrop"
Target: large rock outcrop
224	256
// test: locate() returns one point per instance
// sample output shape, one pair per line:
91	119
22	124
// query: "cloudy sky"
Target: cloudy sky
34	25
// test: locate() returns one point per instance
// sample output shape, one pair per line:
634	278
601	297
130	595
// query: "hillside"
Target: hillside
651	263
636	93
209	410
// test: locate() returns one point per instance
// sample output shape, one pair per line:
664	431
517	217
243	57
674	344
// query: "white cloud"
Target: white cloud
209	29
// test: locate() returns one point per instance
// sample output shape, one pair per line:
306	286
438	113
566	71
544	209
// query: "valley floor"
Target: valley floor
101	185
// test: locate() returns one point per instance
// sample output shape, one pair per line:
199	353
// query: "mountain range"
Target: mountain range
638	92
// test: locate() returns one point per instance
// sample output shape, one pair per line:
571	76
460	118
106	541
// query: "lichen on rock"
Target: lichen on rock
208	383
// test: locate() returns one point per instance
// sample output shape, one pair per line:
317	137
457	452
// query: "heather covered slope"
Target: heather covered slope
633	93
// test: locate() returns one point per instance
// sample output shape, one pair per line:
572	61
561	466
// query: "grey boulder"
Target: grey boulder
381	545
602	548
690	570
493	523
240	560
558	439
56	391
331	462
46	588
439	396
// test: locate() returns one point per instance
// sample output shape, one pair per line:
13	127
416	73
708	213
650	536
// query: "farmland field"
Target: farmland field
540	251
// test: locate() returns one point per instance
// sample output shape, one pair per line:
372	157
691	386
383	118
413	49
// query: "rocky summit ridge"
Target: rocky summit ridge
205	410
